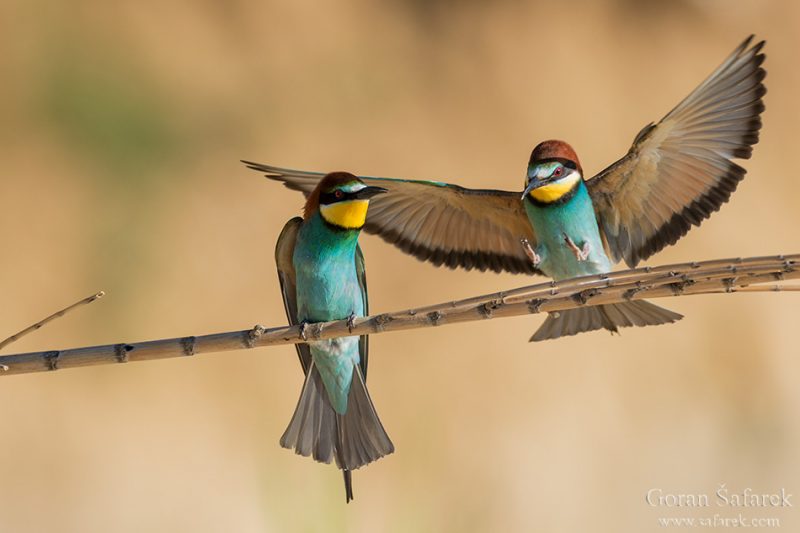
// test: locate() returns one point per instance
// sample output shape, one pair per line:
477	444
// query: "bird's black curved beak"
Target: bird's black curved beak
368	192
534	183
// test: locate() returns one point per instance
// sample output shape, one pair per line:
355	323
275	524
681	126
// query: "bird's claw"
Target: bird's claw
351	322
303	330
530	252
581	254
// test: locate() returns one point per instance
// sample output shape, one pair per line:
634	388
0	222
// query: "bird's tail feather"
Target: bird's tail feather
353	439
608	316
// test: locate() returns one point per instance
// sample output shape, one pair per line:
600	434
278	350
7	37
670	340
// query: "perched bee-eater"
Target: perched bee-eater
675	175
321	272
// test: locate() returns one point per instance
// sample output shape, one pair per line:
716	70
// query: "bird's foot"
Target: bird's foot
304	330
530	252
581	254
351	322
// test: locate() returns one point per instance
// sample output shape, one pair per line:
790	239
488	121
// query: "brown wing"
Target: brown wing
284	250
363	341
680	170
438	222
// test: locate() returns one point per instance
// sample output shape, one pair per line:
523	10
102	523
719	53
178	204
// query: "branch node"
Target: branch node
585	295
249	340
630	293
121	352
534	305
729	284
187	343
381	320
315	331
434	318
679	286
487	309
4	368
554	288
51	359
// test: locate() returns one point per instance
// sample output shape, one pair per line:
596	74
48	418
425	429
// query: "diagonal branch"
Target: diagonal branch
57	314
756	274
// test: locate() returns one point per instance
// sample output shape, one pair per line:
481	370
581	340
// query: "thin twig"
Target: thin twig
57	314
709	277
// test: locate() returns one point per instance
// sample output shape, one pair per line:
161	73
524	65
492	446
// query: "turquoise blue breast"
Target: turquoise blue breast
575	218
328	289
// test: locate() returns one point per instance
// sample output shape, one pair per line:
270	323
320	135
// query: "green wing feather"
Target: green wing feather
284	250
679	171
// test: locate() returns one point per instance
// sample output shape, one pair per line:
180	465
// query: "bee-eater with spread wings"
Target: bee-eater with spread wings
677	173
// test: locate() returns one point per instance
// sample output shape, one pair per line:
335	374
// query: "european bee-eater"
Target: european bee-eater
675	175
321	272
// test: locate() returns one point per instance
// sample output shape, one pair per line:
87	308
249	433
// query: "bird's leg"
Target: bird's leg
530	252
351	322
581	254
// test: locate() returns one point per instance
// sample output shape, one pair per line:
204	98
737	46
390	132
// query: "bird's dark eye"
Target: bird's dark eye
557	172
339	195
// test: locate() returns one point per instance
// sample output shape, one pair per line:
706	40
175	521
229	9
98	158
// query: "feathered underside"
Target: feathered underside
681	170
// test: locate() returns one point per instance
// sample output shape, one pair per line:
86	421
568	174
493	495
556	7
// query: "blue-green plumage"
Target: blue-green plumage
322	275
560	209
572	217
328	288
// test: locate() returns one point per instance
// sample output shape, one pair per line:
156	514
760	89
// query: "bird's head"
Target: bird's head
553	172
342	200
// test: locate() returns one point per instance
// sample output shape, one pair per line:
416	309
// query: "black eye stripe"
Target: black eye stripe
328	198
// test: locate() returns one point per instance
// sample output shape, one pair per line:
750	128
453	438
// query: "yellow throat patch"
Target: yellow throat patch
554	191
350	214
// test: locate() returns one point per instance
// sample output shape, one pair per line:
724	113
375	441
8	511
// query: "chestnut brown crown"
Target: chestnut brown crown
555	150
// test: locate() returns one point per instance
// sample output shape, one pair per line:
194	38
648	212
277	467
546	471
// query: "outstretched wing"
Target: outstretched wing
680	170
284	251
363	342
438	222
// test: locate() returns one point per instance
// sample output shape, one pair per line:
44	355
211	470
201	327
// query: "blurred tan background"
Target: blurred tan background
122	126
